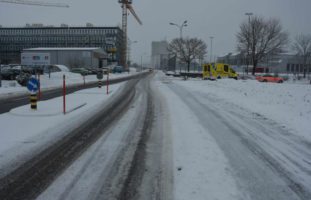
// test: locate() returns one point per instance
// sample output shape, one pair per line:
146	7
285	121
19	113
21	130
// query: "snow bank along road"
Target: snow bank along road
6	104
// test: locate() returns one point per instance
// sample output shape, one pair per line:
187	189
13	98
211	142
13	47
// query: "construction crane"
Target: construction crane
35	3
126	5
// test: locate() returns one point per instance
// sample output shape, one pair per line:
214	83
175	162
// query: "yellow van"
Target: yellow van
224	70
209	72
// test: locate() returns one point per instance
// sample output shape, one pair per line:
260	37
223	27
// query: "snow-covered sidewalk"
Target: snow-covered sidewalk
25	132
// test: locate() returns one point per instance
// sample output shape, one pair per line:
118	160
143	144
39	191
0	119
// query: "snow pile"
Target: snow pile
287	104
10	87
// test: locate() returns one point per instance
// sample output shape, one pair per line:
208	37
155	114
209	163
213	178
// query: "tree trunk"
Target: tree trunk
254	67
188	66
304	67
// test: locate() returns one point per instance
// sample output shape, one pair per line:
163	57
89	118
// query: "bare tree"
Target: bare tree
302	46
260	37
187	49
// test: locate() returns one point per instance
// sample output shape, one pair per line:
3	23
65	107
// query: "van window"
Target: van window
226	68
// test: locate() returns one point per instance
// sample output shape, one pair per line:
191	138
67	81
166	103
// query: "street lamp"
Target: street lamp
180	27
249	14
211	56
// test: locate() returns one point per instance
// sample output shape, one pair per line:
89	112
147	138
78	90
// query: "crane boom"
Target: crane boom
36	3
130	8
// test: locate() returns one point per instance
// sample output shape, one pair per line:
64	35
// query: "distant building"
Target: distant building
14	40
159	54
71	57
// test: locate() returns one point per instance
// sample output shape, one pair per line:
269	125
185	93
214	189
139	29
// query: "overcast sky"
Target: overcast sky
218	18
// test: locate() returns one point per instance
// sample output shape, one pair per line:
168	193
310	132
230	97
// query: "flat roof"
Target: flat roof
63	49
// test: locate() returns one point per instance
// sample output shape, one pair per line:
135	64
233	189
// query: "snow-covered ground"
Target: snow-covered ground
287	104
229	139
24	131
261	138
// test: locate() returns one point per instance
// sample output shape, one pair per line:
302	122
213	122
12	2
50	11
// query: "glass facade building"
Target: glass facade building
14	40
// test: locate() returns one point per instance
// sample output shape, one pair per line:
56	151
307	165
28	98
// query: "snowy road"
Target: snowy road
111	168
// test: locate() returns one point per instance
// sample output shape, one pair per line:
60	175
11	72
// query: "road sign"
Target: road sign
33	85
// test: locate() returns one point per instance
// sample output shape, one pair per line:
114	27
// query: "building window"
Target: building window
293	68
288	68
297	68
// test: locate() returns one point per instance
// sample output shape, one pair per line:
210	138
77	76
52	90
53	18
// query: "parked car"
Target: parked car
23	78
81	71
106	70
169	73
117	69
92	70
9	73
55	68
33	69
270	78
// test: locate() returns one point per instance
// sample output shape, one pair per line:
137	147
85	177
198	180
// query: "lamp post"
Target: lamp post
211	56
249	14
180	27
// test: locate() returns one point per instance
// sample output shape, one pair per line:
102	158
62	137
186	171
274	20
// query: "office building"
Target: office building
70	57
159	54
14	39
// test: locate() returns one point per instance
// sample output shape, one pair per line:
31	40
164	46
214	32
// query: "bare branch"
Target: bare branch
261	37
187	49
